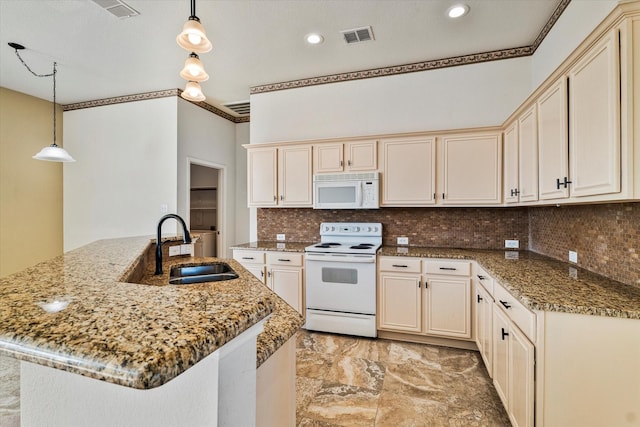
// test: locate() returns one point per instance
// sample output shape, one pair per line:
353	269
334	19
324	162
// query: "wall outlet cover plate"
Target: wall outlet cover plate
280	237
573	256
403	240
512	244
174	250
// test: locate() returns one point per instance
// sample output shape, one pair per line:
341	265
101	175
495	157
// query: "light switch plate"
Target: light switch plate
512	244
174	250
280	237
403	240
573	256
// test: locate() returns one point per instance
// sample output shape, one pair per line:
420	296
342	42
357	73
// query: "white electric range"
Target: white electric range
340	279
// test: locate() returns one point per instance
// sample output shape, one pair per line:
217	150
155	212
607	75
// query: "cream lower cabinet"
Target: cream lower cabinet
484	317
408	171
411	299
252	261
285	277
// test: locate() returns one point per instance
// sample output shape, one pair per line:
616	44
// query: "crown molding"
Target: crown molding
435	64
153	95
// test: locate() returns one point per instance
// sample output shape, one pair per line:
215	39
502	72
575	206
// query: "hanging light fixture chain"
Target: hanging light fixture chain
54	102
30	70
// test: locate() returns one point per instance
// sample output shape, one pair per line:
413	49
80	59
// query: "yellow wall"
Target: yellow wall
30	190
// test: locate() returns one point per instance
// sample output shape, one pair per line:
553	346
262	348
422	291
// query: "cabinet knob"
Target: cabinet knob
341	163
504	333
348	162
275	198
400	265
505	304
448	268
479	298
281	197
480	277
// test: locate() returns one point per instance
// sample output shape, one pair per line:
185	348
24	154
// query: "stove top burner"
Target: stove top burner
326	245
362	246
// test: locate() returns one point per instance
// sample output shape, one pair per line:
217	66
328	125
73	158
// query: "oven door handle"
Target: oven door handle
363	259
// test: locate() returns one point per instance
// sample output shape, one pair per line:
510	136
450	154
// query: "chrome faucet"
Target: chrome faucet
186	238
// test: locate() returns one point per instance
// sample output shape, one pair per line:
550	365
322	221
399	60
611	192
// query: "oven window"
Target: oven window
340	275
346	194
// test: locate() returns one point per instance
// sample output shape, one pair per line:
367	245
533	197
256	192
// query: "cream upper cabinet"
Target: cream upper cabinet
294	176
594	120
351	156
511	187
528	155
262	176
280	176
470	169
408	171
553	145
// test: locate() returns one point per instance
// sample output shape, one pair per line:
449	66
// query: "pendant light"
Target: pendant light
193	37
193	92
194	70
52	153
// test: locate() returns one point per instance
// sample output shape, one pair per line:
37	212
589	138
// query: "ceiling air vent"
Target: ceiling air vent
356	35
242	107
117	8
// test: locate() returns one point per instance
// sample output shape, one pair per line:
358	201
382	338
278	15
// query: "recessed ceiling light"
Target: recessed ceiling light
314	38
457	10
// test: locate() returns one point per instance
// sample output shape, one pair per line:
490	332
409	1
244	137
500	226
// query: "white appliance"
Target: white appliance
340	279
346	191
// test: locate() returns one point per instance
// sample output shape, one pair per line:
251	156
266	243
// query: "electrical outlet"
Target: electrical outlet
186	249
403	240
573	256
573	273
512	244
280	237
174	250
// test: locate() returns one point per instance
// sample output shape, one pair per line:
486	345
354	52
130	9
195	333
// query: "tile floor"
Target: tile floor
348	381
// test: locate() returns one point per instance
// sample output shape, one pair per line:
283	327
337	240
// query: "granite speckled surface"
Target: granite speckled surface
542	283
75	313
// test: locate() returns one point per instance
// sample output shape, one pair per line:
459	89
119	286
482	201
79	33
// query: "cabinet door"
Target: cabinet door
287	283
553	145
361	156
484	327
528	155
294	176
594	120
399	302
511	187
328	158
262	176
521	386
447	311
501	354
408	172
256	270
471	169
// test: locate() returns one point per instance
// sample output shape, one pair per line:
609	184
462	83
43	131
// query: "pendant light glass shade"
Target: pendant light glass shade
193	92
54	153
193	70
193	38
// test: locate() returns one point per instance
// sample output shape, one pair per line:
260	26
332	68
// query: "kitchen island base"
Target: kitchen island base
220	390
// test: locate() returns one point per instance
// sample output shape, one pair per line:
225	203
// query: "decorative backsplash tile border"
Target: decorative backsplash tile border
606	237
475	58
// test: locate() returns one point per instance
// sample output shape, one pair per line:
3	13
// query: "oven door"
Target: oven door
341	282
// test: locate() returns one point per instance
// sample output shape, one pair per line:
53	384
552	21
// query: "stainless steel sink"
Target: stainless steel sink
211	272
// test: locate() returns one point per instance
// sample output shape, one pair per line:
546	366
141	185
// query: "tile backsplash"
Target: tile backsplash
479	228
606	237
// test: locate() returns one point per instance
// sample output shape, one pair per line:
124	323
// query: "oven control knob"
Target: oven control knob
356	229
369	229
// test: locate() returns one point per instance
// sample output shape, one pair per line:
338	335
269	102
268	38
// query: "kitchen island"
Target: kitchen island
80	314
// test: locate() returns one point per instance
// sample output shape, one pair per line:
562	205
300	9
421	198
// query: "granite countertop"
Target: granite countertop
543	283
76	313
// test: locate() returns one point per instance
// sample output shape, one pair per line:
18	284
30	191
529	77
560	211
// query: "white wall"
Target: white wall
210	140
242	211
458	97
577	21
125	169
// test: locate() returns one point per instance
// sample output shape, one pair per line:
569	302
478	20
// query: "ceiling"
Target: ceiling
255	42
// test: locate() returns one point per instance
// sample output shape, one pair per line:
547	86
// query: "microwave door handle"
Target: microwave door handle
359	194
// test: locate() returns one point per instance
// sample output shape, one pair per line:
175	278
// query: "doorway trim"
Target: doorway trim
221	220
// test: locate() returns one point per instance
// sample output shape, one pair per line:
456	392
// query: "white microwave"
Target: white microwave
346	191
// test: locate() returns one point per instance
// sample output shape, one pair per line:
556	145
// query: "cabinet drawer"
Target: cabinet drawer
284	258
448	267
517	312
399	264
248	257
484	279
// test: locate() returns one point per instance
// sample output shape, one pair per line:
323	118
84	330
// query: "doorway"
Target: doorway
205	206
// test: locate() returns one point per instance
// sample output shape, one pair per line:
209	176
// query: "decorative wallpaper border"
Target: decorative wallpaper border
454	61
153	95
